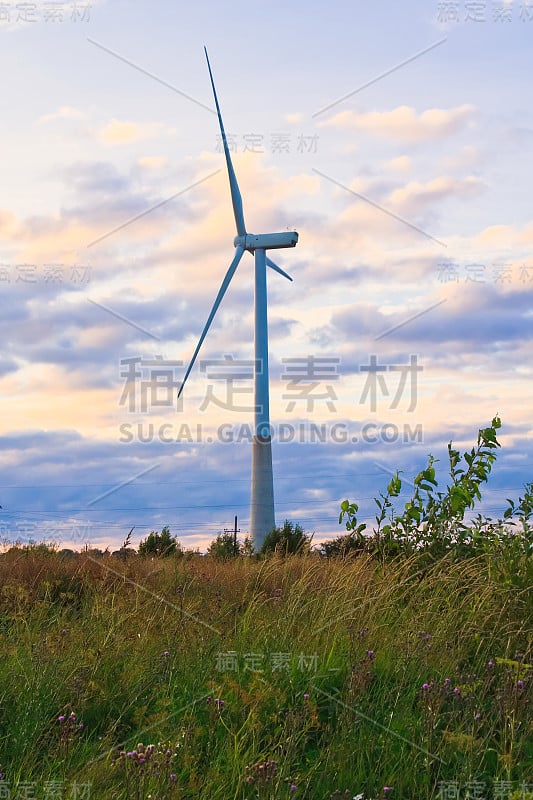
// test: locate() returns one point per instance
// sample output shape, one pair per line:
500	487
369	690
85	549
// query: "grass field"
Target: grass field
300	677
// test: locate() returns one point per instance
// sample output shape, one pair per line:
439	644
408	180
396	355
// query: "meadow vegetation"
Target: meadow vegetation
396	668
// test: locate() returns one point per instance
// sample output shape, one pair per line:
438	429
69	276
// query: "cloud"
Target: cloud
152	162
399	164
125	132
404	124
416	196
294	118
63	112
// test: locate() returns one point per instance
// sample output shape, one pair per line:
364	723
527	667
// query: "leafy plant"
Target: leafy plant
433	521
160	544
287	540
225	546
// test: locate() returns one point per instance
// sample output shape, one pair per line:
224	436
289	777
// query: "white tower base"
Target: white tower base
262	506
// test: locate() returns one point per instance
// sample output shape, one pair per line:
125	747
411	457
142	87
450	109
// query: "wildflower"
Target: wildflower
387	789
61	718
219	704
426	686
457	691
306	696
173	777
520	684
370	654
165	654
293	787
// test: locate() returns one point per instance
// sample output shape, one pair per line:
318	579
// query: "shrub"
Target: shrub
289	539
160	544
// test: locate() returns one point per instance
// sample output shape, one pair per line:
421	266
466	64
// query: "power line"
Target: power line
182	483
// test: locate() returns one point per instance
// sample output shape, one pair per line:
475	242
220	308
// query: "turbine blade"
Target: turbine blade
271	264
221	292
236	198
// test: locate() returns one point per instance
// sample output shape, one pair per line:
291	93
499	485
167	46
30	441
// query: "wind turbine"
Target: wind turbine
262	518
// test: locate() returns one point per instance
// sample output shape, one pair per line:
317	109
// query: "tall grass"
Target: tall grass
297	677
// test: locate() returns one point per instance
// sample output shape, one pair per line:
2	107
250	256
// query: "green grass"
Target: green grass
332	659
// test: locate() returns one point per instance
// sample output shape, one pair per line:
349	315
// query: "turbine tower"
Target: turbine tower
262	518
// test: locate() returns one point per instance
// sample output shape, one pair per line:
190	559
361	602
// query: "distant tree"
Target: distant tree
287	540
160	544
342	546
223	547
247	546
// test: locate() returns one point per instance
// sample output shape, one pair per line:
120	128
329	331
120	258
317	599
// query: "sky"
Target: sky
397	141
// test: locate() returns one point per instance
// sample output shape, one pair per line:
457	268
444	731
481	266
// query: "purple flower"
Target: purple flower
173	777
306	696
520	684
165	654
293	787
61	718
370	654
426	686
387	789
457	691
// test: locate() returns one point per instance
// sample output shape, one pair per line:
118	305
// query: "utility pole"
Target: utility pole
235	532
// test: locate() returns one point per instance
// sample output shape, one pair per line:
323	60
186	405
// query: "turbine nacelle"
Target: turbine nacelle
266	241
